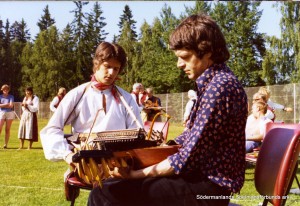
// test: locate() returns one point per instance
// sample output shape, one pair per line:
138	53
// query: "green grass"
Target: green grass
27	178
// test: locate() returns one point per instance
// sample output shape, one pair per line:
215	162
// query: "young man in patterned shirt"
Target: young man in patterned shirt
210	165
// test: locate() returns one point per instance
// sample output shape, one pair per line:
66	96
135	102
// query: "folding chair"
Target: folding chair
276	165
251	158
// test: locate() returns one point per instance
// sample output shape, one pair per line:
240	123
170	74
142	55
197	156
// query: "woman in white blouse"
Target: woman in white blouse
91	107
28	129
256	126
57	99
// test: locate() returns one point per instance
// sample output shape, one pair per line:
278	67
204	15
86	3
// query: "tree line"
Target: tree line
53	59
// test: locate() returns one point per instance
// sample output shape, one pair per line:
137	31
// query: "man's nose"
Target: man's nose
180	64
110	71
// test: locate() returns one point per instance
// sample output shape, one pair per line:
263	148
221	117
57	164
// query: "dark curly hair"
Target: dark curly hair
201	34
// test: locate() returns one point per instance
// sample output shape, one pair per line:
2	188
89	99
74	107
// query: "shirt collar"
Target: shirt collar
206	77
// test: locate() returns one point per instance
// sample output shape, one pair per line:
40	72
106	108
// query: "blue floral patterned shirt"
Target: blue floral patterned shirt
214	144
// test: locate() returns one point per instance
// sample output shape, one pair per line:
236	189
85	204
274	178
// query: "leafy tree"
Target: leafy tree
127	18
66	59
45	64
126	41
281	64
157	65
168	23
272	62
46	21
238	21
2	35
93	35
95	32
19	31
27	67
19	35
1	32
2	51
149	48
6	74
176	79
290	27
200	7
67	45
82	69
78	22
115	39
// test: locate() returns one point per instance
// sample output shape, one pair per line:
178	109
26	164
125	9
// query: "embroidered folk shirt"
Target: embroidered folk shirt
88	116
214	145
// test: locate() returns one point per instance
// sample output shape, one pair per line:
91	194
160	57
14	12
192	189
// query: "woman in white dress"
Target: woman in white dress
28	129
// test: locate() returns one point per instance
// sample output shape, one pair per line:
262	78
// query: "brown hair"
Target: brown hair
106	51
61	91
262	106
201	34
5	86
29	89
257	96
264	90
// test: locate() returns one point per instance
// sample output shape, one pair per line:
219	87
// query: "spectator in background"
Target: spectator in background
258	97
28	129
57	99
192	95
273	105
142	95
6	112
136	92
256	125
142	101
152	106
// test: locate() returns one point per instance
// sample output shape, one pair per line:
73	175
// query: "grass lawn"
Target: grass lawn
29	179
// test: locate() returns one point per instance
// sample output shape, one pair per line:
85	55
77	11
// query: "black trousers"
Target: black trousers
173	191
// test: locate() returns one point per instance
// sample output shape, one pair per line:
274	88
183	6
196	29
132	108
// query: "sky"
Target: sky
31	12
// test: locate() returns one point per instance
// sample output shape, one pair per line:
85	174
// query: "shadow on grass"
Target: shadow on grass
25	148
